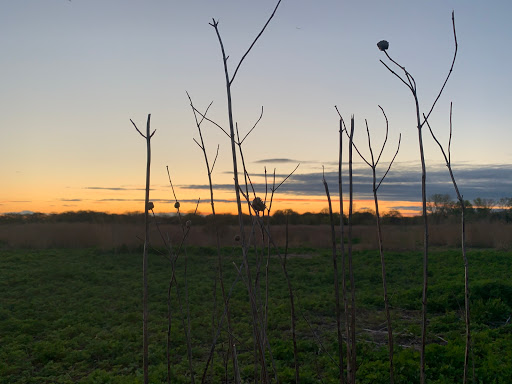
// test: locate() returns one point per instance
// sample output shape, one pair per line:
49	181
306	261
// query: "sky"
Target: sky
73	74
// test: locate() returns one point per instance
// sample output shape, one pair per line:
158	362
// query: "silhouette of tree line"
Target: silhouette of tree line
441	207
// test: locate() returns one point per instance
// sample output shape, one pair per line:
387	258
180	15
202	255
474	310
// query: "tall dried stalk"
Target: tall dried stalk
447	160
291	296
217	235
341	373
147	207
185	228
411	84
342	247
292	310
353	362
258	208
172	257
229	81
375	186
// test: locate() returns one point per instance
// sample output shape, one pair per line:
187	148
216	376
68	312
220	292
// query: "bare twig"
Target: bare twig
258	328
254	126
380	238
343	128
147	207
336	285
447	159
217	239
254	42
353	364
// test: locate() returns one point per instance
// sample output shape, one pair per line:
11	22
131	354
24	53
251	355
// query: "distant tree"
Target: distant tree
468	207
393	216
484	206
440	204
504	203
363	217
282	215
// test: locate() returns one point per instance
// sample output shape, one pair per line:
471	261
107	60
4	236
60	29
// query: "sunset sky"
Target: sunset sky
73	74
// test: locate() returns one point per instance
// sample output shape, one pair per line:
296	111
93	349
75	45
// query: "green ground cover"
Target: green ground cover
70	316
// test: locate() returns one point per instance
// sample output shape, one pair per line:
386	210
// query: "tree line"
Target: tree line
441	208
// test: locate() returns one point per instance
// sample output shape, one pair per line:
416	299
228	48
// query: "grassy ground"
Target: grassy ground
71	316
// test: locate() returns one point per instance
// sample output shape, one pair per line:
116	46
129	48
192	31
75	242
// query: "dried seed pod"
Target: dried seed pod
237	238
188	223
177	205
383	45
150	206
258	205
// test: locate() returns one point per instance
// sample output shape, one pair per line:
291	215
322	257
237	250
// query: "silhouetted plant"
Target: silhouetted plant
334	251
410	83
220	274
147	207
447	159
375	186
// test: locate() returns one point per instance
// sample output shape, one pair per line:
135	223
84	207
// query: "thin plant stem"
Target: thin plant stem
342	129
336	286
353	365
147	207
373	165
460	198
257	326
217	235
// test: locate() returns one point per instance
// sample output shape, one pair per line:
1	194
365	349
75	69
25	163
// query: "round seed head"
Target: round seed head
177	205
188	223
150	206
258	205
237	238
383	45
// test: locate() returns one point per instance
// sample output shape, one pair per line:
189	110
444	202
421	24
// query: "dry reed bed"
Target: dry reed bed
114	235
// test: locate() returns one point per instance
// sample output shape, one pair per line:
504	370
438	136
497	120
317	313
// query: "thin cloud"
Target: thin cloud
403	182
116	188
278	160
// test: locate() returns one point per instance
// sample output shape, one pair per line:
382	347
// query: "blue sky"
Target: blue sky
75	72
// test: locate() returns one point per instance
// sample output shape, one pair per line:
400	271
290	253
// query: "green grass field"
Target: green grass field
70	316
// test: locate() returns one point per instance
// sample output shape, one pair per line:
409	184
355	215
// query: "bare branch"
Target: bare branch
386	139
396	74
215	160
286	178
272	190
437	141
450	139
199	145
197	206
357	150
211	121
391	163
170	181
449	72
246	173
254	42
370	144
137	129
266	187
339	114
194	110
255	124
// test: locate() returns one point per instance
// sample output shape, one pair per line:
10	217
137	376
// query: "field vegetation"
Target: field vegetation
73	315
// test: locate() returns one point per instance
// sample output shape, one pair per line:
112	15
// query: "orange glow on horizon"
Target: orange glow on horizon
301	205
